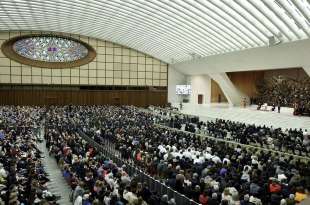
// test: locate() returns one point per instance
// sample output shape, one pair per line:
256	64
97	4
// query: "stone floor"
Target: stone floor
248	115
57	184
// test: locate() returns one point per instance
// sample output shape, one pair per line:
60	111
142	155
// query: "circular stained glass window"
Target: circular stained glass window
50	49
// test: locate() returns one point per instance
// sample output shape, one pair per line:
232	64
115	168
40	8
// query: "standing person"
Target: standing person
273	107
279	105
181	105
295	108
244	102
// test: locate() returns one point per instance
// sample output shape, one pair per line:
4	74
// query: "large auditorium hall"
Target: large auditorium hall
154	102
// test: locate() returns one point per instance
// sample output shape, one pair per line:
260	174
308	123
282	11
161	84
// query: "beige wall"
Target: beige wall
114	65
201	85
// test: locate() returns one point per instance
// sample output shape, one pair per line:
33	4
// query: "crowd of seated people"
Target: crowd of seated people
288	140
166	112
293	140
166	108
286	92
93	178
20	116
207	171
22	176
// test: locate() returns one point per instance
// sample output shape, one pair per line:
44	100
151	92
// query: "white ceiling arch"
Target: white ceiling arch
171	30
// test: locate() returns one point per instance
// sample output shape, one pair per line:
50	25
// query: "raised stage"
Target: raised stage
248	115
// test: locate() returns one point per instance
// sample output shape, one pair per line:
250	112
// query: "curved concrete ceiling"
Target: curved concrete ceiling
171	30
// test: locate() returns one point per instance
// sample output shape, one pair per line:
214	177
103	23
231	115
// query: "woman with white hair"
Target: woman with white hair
283	202
3	173
78	200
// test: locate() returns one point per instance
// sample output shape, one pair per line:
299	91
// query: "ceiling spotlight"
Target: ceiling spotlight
275	40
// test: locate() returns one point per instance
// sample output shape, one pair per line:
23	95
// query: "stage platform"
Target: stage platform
248	115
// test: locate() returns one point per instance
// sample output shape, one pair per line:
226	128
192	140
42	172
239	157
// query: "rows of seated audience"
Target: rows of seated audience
207	171
169	113
286	92
20	116
94	179
288	140
22	176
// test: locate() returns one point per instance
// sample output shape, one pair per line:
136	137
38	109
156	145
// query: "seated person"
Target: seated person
265	107
273	107
259	106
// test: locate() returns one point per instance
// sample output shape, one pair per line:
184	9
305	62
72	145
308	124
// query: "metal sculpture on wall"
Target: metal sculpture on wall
48	51
288	92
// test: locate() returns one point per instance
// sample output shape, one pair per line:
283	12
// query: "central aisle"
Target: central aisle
57	184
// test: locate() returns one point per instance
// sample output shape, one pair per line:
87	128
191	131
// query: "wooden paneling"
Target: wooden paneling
217	95
139	98
246	81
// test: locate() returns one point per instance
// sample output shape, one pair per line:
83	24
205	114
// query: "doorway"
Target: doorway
219	99
200	98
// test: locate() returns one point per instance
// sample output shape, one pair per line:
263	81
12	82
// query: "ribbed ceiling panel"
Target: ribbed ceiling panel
171	30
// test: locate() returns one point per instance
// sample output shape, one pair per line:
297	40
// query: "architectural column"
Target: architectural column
201	85
233	95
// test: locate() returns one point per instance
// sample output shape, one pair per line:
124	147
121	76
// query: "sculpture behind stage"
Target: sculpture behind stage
286	92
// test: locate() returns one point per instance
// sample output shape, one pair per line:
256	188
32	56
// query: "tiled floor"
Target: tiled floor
248	115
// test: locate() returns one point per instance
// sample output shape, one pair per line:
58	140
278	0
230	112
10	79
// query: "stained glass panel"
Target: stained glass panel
50	49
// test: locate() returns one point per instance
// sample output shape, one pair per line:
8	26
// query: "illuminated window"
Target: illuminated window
50	49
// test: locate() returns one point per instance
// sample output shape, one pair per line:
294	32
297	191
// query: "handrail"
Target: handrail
227	141
202	137
140	174
159	187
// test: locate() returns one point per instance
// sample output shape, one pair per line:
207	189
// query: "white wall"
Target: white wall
307	69
233	95
287	55
201	84
175	78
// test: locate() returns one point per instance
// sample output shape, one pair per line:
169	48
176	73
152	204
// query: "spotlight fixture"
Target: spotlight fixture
275	40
